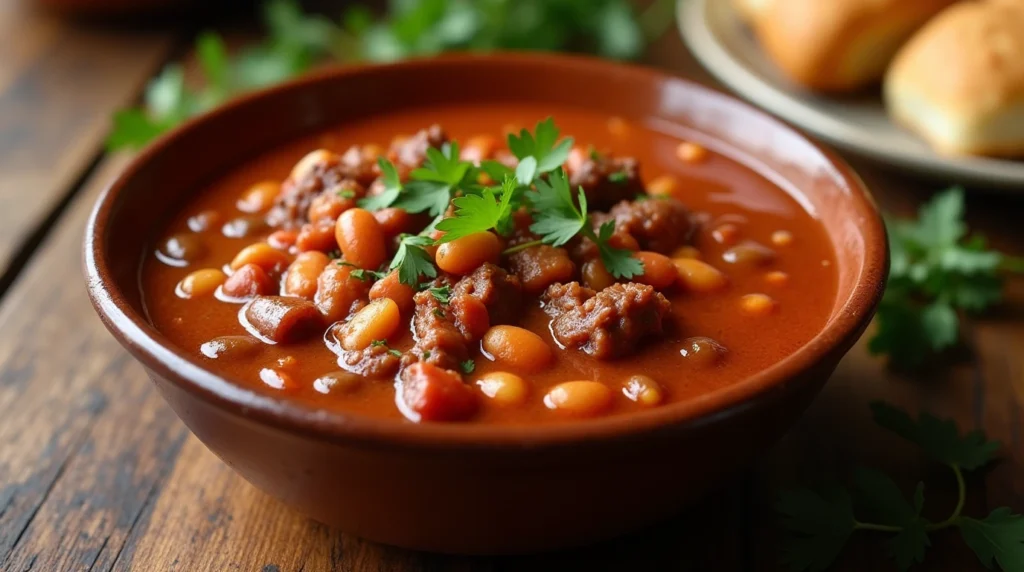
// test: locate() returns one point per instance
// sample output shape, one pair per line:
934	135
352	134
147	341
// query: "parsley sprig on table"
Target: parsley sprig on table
820	522
936	270
297	41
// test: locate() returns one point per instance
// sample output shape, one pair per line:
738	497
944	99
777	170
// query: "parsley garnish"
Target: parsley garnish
480	213
379	343
820	522
618	177
395	352
364	275
426	354
935	270
412	261
558	219
441	293
467	366
392	188
347	193
438	313
433	185
542	146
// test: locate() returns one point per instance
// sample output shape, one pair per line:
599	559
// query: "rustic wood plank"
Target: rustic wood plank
59	84
86	437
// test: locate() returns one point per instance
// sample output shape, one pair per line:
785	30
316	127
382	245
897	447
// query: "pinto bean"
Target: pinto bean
361	239
301	278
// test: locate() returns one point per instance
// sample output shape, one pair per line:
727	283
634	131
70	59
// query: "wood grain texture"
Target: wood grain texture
86	436
59	84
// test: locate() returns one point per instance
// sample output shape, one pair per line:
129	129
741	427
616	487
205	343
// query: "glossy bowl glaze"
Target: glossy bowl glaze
476	488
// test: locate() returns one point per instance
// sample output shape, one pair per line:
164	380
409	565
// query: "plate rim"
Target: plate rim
721	63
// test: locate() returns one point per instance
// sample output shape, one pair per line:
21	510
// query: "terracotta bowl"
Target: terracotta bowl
465	488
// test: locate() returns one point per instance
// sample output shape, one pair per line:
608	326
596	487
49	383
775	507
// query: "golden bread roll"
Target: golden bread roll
959	83
839	45
751	10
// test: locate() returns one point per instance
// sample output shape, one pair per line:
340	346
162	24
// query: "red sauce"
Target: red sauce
733	202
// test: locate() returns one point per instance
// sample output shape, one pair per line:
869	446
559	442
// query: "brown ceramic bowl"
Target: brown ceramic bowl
465	488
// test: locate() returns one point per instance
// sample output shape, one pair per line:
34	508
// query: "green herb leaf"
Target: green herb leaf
819	524
543	145
496	171
618	261
467	366
526	171
133	128
934	272
392	188
434	184
479	213
883	503
395	353
379	343
557	218
939	438
1000	537
412	260
442	294
213	59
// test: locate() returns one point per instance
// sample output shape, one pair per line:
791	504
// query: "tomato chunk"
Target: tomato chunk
429	393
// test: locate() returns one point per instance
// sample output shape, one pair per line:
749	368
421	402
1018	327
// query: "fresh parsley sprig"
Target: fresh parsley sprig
392	188
936	271
557	218
480	213
820	522
412	259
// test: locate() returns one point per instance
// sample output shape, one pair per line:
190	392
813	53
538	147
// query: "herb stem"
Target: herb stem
523	246
954	518
857	525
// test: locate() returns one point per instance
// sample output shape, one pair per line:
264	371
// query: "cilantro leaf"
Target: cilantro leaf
819	524
542	145
884	503
526	171
467	366
392	188
999	537
557	218
213	59
479	213
133	128
939	438
412	260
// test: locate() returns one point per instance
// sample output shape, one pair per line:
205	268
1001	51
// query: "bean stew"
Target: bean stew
473	264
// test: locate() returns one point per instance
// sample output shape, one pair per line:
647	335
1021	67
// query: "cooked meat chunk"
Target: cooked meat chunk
323	172
360	165
375	361
409	153
658	224
605	180
500	292
538	267
429	393
561	298
438	340
612	322
282	319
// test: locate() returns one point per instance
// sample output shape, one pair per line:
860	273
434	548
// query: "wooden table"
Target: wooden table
96	472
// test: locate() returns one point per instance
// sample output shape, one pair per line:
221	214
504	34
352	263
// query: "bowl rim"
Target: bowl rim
149	346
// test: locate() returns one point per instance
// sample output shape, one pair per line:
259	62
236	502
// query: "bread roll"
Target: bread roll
959	83
750	10
839	45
